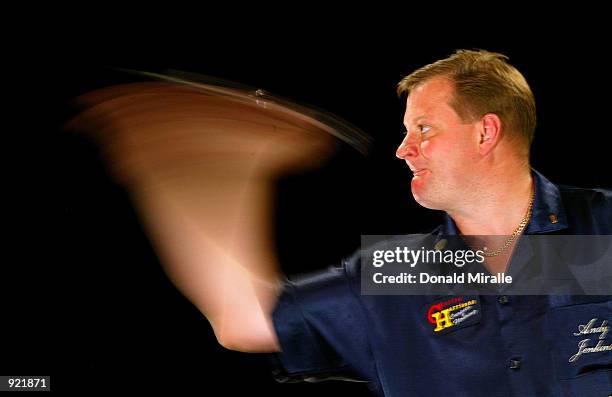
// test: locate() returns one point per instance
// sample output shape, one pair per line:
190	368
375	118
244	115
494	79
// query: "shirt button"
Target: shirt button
515	363
503	299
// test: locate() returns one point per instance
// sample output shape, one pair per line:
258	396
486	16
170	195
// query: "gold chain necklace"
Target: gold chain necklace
517	232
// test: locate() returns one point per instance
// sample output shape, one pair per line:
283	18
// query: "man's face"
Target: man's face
440	149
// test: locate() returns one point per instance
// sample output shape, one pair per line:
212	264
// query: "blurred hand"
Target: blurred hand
154	131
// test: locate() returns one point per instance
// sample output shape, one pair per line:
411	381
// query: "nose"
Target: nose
409	148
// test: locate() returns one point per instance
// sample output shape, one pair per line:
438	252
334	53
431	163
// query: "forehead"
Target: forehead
429	99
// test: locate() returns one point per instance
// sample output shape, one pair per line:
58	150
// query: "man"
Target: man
469	122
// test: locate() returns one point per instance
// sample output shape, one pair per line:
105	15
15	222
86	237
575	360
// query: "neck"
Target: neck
498	203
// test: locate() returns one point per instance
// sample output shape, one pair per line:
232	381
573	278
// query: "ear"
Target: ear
490	133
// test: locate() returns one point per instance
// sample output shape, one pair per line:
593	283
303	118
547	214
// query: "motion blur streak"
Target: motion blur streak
199	161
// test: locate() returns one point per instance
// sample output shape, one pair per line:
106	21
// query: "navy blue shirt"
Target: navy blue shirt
511	346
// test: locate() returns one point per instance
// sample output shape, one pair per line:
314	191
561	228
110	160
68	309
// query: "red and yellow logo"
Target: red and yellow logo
451	312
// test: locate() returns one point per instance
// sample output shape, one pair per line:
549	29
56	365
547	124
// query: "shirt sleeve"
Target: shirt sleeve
321	328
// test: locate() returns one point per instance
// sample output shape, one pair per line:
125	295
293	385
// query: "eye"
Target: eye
423	128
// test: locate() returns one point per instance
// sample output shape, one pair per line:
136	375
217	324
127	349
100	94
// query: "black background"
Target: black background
85	299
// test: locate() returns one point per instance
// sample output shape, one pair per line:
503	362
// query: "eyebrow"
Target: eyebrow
415	120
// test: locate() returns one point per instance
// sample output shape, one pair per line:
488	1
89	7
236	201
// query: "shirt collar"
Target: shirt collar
548	214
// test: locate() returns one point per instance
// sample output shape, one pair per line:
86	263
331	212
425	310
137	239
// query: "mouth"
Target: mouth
418	172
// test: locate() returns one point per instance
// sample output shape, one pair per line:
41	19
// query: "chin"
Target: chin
428	205
426	199
422	200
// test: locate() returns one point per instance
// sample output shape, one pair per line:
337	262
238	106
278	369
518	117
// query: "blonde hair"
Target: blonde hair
484	82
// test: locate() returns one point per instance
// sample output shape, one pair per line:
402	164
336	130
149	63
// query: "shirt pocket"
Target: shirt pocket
579	334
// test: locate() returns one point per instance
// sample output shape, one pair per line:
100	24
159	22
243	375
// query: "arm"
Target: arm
217	251
199	168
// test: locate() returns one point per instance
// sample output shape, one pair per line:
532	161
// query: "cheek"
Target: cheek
428	149
436	149
445	152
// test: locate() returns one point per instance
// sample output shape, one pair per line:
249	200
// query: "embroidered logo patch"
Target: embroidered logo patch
453	313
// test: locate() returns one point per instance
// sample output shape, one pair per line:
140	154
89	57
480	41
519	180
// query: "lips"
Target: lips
418	172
